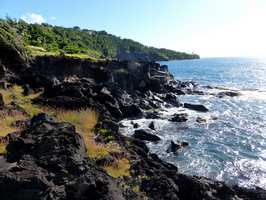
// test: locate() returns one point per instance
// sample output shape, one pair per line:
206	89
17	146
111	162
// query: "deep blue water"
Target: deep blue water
241	73
232	148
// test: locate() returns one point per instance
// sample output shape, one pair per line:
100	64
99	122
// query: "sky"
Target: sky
210	28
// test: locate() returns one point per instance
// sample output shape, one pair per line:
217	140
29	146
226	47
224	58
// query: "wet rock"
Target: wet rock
152	126
179	117
146	134
171	98
201	120
183	144
175	146
214	117
131	111
152	115
135	125
228	93
196	107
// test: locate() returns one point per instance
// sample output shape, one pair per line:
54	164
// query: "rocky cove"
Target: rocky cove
47	159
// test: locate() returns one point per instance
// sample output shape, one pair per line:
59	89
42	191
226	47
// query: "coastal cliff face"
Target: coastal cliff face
47	159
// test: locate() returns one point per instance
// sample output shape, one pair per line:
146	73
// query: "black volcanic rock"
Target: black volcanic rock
196	107
49	159
131	111
175	146
152	126
50	162
179	117
228	93
146	134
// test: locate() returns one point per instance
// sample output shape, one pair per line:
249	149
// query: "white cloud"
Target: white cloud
33	18
53	18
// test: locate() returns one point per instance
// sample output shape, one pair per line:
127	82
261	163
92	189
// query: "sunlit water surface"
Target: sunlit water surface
232	148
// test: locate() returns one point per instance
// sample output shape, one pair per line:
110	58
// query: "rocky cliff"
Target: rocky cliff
47	159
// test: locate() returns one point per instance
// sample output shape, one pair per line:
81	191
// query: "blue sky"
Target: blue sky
208	27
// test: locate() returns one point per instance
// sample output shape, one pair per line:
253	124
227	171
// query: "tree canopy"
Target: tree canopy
97	44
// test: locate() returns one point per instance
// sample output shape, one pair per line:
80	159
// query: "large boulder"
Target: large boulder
131	111
175	146
146	134
50	162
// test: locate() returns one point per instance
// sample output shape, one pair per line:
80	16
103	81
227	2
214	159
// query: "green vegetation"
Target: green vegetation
106	134
45	39
11	45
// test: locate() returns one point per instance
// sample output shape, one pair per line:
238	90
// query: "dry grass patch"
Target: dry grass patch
85	121
15	94
2	149
119	169
7	120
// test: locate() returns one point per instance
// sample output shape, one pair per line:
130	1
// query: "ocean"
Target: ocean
231	148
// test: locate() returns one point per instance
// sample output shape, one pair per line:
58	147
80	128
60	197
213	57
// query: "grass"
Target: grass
15	94
2	149
84	120
119	169
39	51
7	120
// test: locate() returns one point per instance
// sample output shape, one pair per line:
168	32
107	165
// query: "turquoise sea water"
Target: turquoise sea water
233	147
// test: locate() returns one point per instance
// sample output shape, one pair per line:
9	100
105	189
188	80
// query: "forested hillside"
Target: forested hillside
42	39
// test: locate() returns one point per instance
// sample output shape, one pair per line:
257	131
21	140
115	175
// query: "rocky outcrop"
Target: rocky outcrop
228	93
49	161
146	135
196	107
162	181
179	117
175	146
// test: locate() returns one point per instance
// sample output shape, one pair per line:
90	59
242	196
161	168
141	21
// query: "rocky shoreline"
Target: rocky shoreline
47	159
